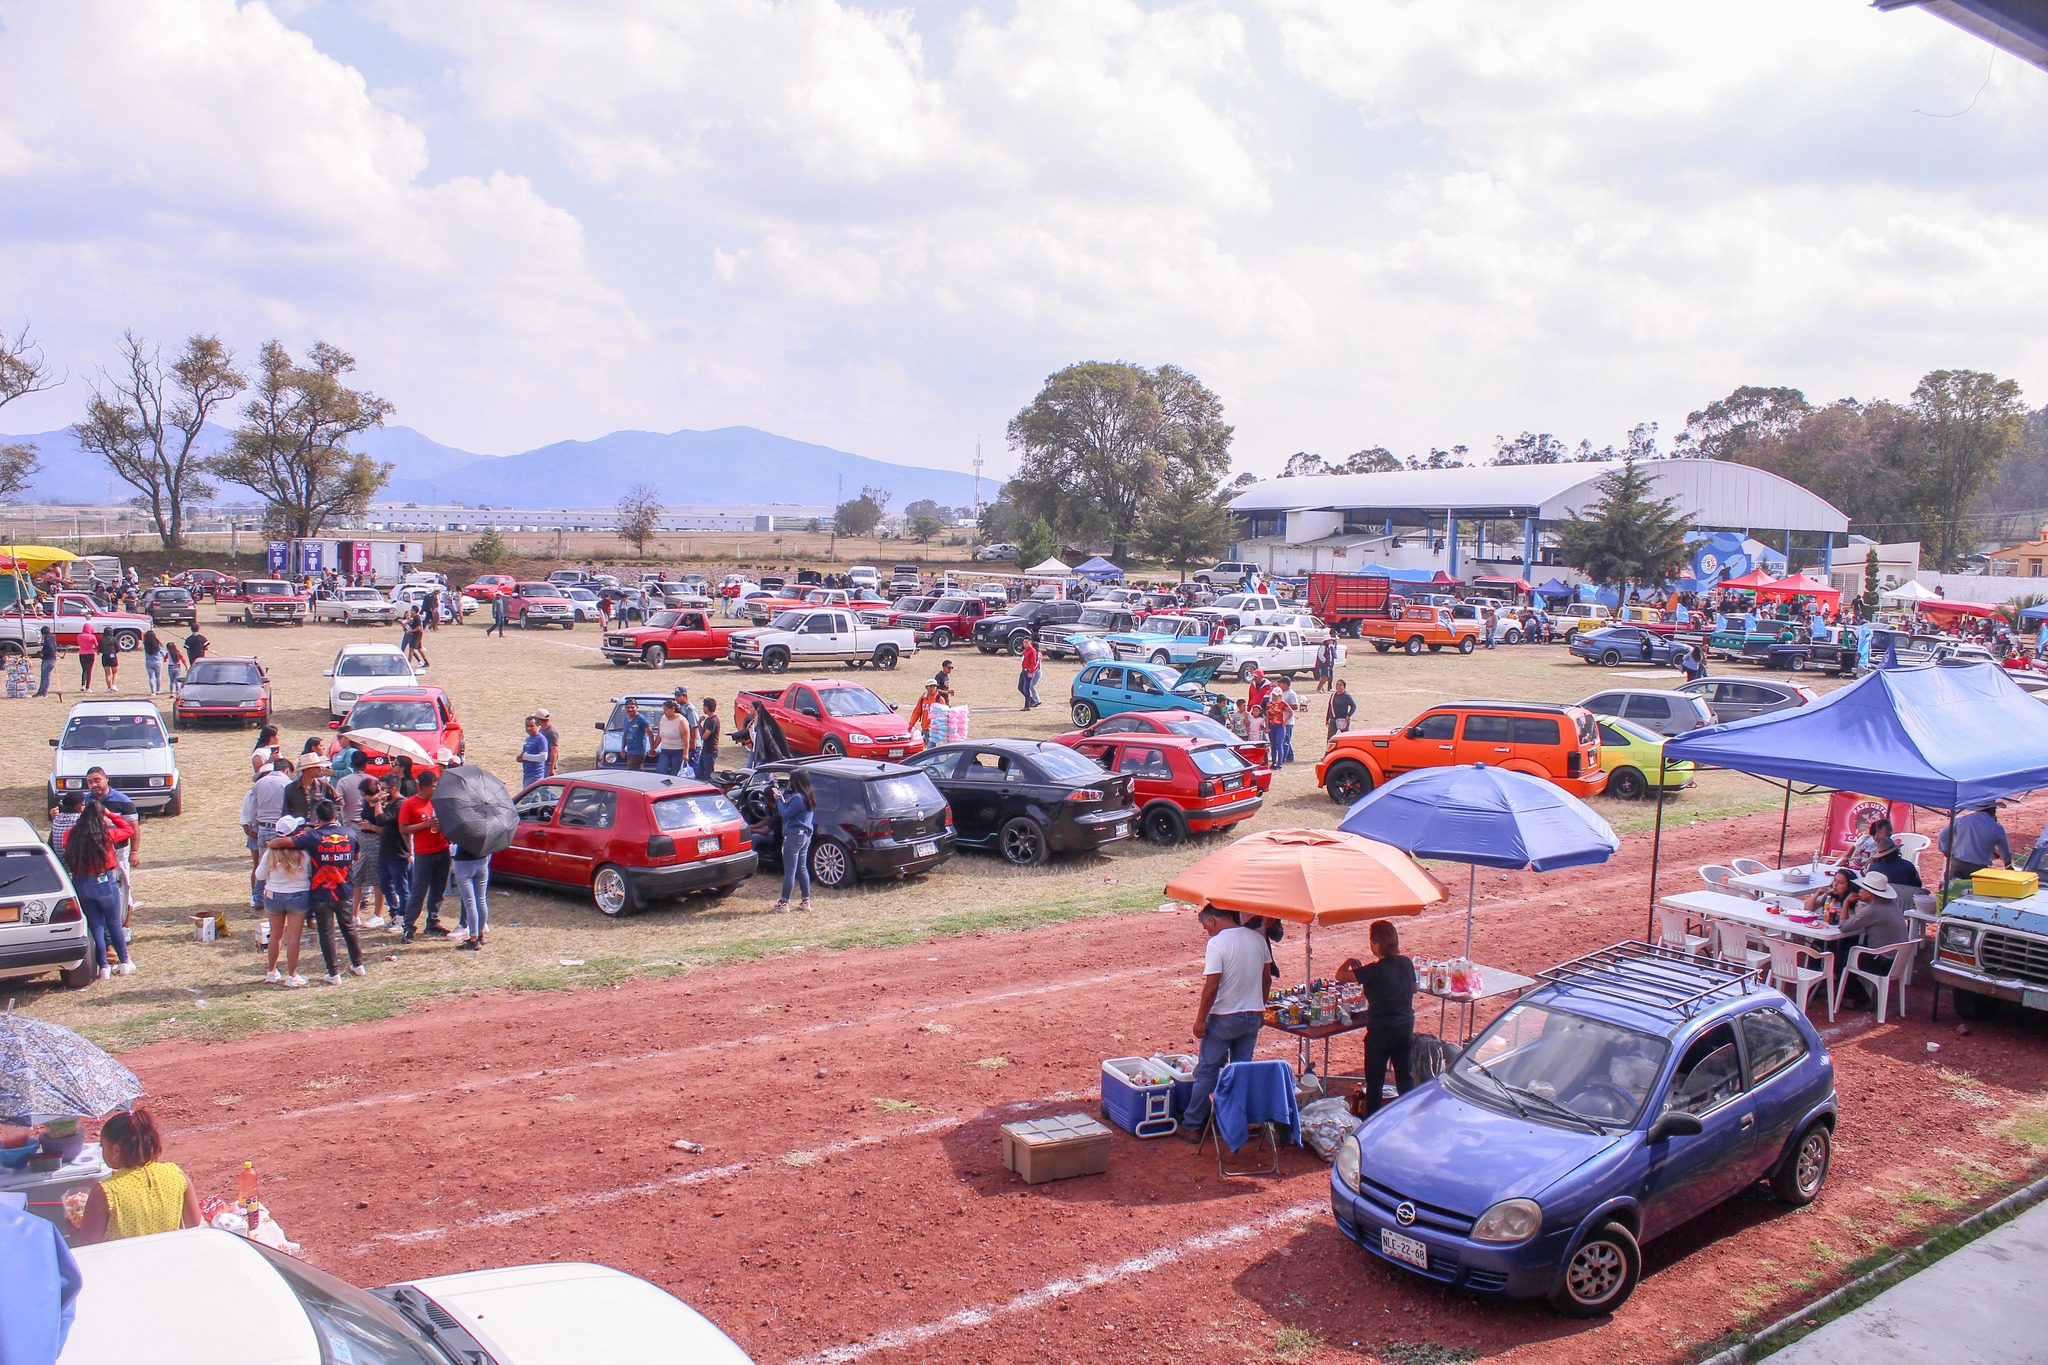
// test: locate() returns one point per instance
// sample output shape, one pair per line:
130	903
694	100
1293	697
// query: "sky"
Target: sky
1361	222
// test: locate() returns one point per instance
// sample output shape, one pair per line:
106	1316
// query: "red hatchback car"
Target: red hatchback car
1187	724
628	838
423	715
1180	786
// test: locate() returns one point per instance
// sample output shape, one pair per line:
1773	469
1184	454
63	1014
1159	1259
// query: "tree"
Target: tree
23	371
1454	458
489	548
858	516
1625	536
925	507
1870	582
1038	543
145	422
879	497
1529	448
639	513
1302	463
925	527
292	446
1739	426
1970	419
1101	439
1372	460
1001	521
1186	523
1244	480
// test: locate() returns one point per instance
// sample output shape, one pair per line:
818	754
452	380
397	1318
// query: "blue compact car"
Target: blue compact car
1631	1091
1110	689
1623	645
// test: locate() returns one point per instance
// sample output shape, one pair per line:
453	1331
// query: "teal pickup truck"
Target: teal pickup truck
1988	949
1174	640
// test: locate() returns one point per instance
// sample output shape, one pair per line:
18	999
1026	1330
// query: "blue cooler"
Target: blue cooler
1180	1067
1137	1096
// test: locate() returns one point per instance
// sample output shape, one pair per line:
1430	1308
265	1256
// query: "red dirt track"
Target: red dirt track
818	1225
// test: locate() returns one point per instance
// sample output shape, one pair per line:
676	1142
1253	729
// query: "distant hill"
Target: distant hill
728	466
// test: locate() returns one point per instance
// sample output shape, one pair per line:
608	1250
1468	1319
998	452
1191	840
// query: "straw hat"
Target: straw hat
1878	885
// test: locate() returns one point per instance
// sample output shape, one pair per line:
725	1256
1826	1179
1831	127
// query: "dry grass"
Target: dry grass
543	941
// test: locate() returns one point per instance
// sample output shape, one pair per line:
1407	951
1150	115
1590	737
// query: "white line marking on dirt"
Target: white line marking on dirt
1092	1277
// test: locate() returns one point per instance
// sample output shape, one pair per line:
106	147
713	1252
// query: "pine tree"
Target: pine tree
1626	536
488	548
1870	582
1037	544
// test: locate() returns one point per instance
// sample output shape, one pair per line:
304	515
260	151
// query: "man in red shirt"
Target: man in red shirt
429	857
1027	672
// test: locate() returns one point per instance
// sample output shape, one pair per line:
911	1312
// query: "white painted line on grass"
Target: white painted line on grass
1092	1277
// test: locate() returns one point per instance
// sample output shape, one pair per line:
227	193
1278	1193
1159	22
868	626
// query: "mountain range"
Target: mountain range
729	466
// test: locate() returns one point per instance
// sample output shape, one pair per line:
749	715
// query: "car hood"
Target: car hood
575	1311
220	694
1197	674
1438	1148
121	763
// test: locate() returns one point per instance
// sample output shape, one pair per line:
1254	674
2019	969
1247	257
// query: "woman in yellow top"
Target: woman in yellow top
143	1195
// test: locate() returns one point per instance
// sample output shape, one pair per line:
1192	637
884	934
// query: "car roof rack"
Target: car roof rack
1649	976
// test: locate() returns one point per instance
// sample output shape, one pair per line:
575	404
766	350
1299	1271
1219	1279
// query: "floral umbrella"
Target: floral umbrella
48	1070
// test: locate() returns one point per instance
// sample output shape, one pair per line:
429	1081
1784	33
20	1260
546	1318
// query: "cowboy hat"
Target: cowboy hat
1877	884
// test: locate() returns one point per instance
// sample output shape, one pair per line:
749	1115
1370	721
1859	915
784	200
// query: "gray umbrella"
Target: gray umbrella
47	1070
475	810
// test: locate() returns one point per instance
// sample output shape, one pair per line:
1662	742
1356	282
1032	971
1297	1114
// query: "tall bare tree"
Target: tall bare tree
292	445
145	422
639	512
23	371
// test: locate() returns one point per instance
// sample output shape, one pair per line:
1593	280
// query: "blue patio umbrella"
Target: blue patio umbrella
1485	817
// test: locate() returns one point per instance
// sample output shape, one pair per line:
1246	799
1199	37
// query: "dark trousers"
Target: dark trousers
85	663
49	667
498	625
1386	1043
332	915
429	885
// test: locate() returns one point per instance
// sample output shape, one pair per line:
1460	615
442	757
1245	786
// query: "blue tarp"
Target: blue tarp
1100	568
2034	613
1946	737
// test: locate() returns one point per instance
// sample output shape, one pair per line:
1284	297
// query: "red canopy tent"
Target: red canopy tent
1799	585
1444	580
1749	582
1940	606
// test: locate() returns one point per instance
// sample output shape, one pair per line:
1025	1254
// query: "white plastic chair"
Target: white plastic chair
1731	945
1748	867
1790	974
1912	845
1896	971
1720	878
1674	932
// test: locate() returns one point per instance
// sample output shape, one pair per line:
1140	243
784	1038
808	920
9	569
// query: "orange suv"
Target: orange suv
1560	744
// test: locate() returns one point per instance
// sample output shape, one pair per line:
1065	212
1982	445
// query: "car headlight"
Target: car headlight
610	760
1347	1160
1511	1220
1960	937
71	784
856	737
159	781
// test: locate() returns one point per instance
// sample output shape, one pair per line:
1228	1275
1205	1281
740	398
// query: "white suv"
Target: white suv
358	668
41	926
128	739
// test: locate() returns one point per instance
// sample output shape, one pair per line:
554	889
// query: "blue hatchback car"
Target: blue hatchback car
1110	689
1623	645
1633	1089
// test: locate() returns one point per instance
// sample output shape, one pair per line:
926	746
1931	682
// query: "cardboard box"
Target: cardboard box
206	928
1058	1148
2006	883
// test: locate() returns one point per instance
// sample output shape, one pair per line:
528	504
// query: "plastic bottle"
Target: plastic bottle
247	1198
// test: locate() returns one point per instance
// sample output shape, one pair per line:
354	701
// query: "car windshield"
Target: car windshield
266	587
414	716
223	673
909	791
350	1324
949	606
1595	1071
852	701
28	872
360	595
1199	727
1218	761
789	620
665	620
113	734
693	812
374	666
1101	616
650	707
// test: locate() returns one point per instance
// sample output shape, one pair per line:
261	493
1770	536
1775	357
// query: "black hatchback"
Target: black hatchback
873	819
1027	799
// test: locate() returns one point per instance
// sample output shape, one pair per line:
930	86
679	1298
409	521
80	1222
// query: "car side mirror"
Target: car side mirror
1675	1124
893	706
334	725
328	674
1415	732
53	744
597	725
174	739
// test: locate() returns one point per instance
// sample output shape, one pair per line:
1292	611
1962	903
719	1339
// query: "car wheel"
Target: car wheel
942	638
832	748
1805	1170
1160	656
1023	842
654	656
1975	1007
1600	1275
1163	825
831	864
1571	638
1627	784
1798	663
611	892
125	640
1017	642
1083	714
1347	781
1246	671
1382	646
1414	645
885	656
1467	645
1610	659
79	977
775	661
176	806
1513	637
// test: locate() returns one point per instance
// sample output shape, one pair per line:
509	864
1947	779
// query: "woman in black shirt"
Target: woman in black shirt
1389	982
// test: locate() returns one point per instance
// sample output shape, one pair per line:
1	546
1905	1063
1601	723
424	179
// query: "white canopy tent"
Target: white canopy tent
1051	568
1909	591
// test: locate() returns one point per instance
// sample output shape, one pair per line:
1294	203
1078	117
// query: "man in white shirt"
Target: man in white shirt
262	807
1232	1007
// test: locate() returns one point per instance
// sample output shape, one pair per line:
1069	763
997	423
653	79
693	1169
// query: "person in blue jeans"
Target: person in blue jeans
636	737
533	754
1231	1010
798	807
46	651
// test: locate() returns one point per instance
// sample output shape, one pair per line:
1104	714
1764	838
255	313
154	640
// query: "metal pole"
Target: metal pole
1656	853
1471	904
1784	823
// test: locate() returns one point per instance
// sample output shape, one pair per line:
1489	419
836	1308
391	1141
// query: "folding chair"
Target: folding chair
1895	972
1790	974
1721	878
1265	1091
1911	846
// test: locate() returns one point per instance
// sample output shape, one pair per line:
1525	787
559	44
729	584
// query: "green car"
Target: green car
1631	755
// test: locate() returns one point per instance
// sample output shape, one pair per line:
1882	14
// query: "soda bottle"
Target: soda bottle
246	1197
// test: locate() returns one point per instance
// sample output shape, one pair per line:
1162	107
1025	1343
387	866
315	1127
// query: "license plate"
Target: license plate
1405	1249
708	845
926	849
895	753
2034	1000
1119	829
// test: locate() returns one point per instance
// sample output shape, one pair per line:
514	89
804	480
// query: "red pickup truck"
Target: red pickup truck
271	602
677	635
948	619
831	716
1343	601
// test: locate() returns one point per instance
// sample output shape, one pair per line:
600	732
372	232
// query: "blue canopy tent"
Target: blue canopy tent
2037	612
1099	570
1556	587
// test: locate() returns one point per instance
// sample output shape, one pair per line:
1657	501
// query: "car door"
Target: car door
1485	738
1773	1047
979	793
1690	1174
533	841
691	638
583	833
451	728
1148	768
1430	742
803	719
1651	712
1141	693
824	635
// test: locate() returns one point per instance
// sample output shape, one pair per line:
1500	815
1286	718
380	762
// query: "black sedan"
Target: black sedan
1027	799
872	820
171	607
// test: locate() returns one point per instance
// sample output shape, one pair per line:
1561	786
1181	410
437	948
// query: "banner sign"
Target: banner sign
361	549
275	556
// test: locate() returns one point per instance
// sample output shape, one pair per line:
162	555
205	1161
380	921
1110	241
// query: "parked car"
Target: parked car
540	604
1188	724
611	744
290	1312
221	587
1239	609
1096	621
1177	640
1038	621
627	839
1559	744
448	606
873	820
830	717
357	607
1740	698
66	614
42	928
1181	786
813	635
1109	689
359	668
864	576
1271	649
950	618
904	578
894	613
1229	571
670	636
170	607
127	738
1613	645
422	714
1831	656
584	603
1667	713
1567	621
1628	1094
271	602
224	687
492	585
1634	759
1000	550
1027	799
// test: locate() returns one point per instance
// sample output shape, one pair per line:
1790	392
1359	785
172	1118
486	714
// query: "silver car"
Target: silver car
41	926
1668	713
1741	698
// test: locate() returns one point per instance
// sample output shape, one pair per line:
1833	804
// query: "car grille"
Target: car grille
132	784
2010	955
1385	1199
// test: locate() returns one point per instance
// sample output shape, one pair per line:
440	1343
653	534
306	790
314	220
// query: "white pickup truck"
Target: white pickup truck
357	606
813	635
1275	649
1238	609
1573	617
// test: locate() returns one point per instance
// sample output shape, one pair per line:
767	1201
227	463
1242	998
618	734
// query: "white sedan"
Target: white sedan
139	1295
359	668
1276	649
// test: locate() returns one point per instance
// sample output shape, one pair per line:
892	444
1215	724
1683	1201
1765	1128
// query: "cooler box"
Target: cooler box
1057	1148
1137	1096
1181	1067
2005	883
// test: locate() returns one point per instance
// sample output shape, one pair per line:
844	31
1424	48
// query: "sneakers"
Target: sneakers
804	904
468	945
332	978
437	930
781	907
106	973
374	922
404	936
273	976
359	970
127	968
295	980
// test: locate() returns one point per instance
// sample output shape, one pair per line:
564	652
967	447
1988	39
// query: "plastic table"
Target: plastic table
1494	982
46	1190
1307	1035
1801	881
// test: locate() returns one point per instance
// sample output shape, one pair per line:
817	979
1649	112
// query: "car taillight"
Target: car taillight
1572	764
67	912
1207	788
661	846
1084	794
